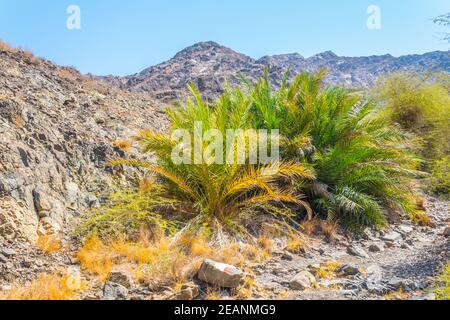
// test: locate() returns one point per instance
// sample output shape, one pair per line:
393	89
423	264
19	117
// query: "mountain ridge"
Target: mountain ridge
208	65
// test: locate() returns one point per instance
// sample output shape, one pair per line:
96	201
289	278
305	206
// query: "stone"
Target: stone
121	277
48	226
376	247
3	259
287	256
396	283
8	252
446	232
220	274
302	281
405	229
357	251
425	297
392	236
347	270
189	291
374	273
114	291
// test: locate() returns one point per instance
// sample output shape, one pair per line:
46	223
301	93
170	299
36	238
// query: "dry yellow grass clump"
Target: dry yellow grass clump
47	287
124	145
49	244
422	219
164	262
327	270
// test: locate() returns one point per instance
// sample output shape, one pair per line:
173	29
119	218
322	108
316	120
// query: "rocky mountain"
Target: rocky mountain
57	130
208	65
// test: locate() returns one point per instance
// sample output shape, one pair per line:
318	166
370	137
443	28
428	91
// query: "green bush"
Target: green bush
361	159
439	180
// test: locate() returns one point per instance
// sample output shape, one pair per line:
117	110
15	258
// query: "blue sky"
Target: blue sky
124	37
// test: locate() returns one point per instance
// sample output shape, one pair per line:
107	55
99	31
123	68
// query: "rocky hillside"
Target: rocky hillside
208	64
57	130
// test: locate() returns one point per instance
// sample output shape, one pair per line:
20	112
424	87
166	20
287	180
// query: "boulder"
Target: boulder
405	229
302	281
220	274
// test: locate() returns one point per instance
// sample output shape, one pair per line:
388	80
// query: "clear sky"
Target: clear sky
125	36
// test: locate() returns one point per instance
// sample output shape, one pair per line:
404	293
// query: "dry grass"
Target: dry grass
47	287
421	204
67	73
162	263
327	270
309	226
329	229
397	295
422	219
295	246
97	258
124	145
49	244
6	47
213	294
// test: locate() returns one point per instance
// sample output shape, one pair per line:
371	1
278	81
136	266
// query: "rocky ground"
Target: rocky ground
399	263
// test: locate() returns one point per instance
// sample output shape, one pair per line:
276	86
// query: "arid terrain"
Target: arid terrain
59	129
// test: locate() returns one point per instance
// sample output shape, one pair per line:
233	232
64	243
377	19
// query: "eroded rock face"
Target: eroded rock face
57	130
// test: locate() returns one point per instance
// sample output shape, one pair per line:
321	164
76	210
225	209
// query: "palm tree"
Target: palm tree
220	195
361	161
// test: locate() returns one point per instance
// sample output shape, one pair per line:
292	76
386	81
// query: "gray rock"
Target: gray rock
396	284
7	252
446	232
425	297
114	291
405	229
348	270
302	281
376	247
357	251
219	274
121	277
392	236
189	291
287	256
3	259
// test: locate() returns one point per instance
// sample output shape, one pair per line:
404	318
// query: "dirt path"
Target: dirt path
408	263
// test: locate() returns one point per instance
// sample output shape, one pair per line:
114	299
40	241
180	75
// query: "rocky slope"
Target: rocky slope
57	130
208	65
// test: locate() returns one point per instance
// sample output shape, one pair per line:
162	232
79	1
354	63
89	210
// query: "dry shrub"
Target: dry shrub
67	73
47	287
49	244
329	229
421	204
309	226
397	295
97	258
295	245
422	219
327	270
6	47
124	145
